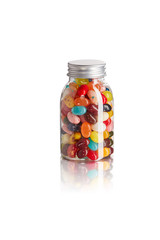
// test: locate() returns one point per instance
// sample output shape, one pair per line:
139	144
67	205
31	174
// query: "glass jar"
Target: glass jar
86	113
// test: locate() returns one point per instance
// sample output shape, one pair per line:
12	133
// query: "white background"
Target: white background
37	39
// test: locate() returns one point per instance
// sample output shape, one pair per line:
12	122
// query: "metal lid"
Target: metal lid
86	69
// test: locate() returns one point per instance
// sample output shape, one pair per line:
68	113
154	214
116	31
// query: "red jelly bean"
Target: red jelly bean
111	150
104	99
92	108
93	155
82	90
107	122
71	151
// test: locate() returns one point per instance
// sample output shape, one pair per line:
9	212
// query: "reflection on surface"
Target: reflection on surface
78	175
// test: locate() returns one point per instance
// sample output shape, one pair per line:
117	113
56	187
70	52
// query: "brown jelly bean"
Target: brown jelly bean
108	142
64	149
81	153
92	108
90	118
82	143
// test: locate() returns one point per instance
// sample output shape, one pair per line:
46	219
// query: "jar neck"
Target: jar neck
93	80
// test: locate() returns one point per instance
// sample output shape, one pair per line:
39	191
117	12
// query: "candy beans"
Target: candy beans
108	142
81	81
92	155
106	108
82	143
93	145
105	116
92	96
98	127
92	108
82	90
109	128
108	95
96	137
82	153
71	151
86	129
69	101
73	118
90	118
79	110
81	101
104	99
66	130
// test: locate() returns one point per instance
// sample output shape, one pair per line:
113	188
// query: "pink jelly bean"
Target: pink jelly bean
64	127
73	118
109	128
92	96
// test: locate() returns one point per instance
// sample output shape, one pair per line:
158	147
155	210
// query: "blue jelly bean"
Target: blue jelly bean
67	86
79	110
92	173
90	80
107	89
93	145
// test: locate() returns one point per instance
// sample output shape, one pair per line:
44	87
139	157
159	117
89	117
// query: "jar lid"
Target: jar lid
86	69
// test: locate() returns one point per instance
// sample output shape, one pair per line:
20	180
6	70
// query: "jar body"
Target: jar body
86	119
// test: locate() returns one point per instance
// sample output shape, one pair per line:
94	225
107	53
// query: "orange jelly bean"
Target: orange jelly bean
73	86
81	101
86	129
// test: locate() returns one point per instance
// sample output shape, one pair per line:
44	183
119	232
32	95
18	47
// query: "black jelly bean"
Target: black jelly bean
111	134
74	127
106	108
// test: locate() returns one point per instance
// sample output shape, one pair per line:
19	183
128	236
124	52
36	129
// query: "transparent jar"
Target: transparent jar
86	118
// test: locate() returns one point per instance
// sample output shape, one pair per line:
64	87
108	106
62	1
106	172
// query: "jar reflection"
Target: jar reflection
82	175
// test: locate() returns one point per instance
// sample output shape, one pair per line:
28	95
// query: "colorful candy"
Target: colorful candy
79	110
86	120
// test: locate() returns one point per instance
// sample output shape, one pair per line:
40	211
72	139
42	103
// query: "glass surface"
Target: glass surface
86	120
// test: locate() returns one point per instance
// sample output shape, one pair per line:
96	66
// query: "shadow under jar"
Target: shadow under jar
86	112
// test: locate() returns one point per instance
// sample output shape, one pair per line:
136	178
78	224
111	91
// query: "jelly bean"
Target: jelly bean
91	86
62	131
73	118
98	127
86	129
82	118
93	145
66	130
81	101
102	88
96	137
90	118
108	95
64	149
107	122
92	108
79	110
81	81
69	92
107	89
108	142
81	153
65	138
111	134
105	116
82	143
106	108
67	86
109	128
63	117
111	150
69	101
92	96
106	152
73	86
104	99
105	134
92	155
72	139
77	136
82	90
64	109
71	151
110	113
92	174
74	127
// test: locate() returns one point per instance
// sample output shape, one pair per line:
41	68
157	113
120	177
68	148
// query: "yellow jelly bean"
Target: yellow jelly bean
65	138
108	95
105	134
72	139
110	113
81	81
77	136
106	152
96	137
69	101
